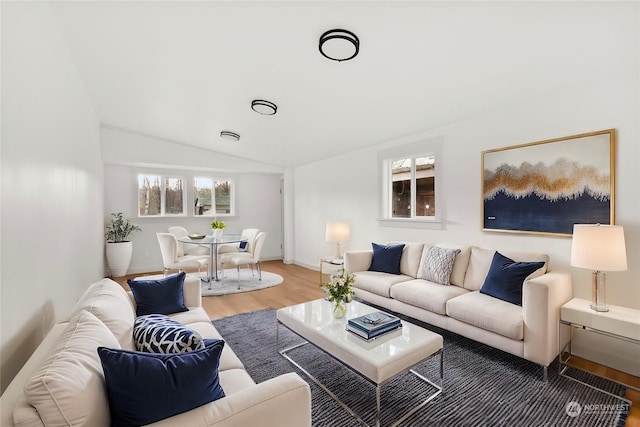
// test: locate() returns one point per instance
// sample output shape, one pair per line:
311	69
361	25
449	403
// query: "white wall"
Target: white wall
346	188
52	183
258	198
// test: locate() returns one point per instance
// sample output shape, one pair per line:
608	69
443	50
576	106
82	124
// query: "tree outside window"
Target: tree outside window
160	196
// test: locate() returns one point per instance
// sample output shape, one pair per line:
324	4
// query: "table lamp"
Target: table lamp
337	232
599	248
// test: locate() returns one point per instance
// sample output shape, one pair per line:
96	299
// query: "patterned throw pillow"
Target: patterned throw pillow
436	264
157	333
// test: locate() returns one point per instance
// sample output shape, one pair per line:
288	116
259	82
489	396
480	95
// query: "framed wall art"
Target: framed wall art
545	187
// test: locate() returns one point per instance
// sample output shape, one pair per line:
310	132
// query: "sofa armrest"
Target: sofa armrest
542	298
284	401
357	261
192	291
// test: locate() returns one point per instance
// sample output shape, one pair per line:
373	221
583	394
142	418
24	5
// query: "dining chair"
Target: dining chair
183	249
171	260
249	234
252	259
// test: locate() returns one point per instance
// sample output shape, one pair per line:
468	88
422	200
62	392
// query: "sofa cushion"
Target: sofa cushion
109	302
411	255
228	360
506	277
427	295
488	313
386	259
378	283
68	387
437	264
480	262
157	333
146	387
159	296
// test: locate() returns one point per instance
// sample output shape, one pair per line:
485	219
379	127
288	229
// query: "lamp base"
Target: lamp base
598	280
601	308
336	251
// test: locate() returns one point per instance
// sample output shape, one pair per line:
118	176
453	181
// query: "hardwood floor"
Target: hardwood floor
302	284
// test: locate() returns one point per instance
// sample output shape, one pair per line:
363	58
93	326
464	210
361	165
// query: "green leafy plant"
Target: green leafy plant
218	225
119	228
339	286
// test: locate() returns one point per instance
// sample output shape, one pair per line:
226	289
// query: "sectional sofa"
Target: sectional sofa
529	330
63	382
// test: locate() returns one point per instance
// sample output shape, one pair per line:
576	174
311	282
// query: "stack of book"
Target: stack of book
373	325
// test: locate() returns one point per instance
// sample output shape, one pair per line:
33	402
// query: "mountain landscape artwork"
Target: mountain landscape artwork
547	186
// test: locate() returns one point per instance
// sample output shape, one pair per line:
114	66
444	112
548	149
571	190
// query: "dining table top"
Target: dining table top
210	240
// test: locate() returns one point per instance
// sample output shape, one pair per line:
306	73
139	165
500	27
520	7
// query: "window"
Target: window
410	183
413	187
160	196
213	197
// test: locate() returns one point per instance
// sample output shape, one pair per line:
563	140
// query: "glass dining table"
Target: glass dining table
213	243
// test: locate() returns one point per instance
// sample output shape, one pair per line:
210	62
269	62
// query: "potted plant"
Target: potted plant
218	228
340	291
119	249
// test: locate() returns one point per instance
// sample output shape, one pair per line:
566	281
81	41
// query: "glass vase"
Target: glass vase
339	309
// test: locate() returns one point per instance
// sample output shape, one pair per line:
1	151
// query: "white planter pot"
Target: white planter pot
119	257
218	233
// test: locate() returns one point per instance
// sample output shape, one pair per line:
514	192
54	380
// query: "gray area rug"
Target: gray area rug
249	281
483	386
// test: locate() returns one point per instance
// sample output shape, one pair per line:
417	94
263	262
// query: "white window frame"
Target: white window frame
163	195
422	148
232	196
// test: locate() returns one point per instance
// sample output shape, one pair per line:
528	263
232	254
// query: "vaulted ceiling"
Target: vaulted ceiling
185	71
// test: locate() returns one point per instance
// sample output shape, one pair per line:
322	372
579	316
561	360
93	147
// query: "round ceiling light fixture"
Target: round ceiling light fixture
266	108
339	45
231	136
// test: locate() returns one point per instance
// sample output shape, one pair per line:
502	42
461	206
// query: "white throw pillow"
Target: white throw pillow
69	387
109	302
436	264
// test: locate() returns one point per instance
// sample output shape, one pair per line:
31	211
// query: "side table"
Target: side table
330	265
621	323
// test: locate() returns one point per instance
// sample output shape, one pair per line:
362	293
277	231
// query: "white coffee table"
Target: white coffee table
378	361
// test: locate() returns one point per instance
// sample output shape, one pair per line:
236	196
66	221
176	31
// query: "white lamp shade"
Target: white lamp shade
337	232
598	247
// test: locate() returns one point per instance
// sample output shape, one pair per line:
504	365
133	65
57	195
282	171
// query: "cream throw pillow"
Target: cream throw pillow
69	388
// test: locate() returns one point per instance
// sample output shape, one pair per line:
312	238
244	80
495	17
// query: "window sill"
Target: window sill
427	224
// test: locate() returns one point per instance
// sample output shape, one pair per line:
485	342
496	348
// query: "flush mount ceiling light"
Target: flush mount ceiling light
231	136
339	45
264	107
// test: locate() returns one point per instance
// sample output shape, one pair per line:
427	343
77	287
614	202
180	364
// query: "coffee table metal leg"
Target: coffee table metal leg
439	388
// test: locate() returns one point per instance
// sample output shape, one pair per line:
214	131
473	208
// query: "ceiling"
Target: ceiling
184	71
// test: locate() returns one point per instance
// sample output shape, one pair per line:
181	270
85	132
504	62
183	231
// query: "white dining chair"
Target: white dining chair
252	259
171	260
249	234
183	249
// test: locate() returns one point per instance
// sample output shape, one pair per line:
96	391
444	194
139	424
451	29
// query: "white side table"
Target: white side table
330	265
621	323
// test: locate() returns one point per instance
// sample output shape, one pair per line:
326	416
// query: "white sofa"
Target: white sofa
70	387
529	331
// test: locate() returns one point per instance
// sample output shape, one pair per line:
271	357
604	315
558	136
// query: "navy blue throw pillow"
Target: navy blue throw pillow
147	387
386	259
506	277
159	296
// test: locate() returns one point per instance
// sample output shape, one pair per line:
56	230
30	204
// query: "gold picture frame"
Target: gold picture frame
547	186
